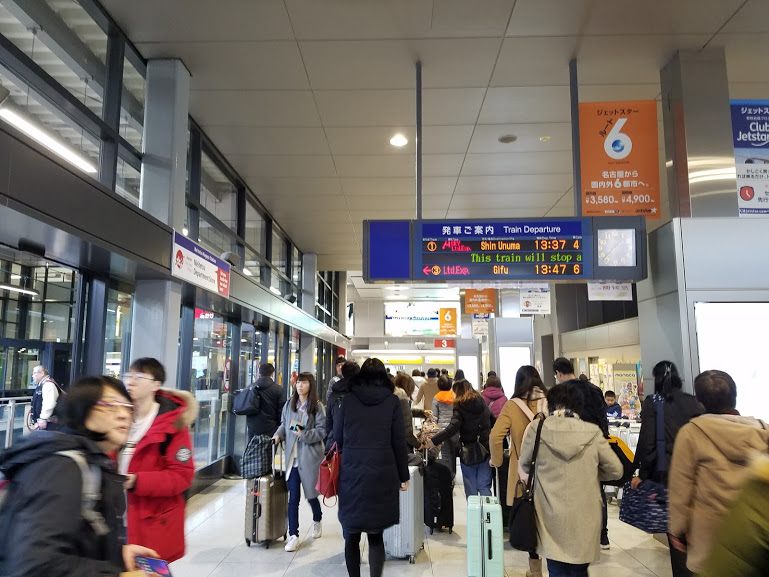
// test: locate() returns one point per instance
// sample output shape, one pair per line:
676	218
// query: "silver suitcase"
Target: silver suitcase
407	538
266	507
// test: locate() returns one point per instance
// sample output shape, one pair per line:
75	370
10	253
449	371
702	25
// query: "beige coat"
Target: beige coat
710	464
513	421
573	459
427	392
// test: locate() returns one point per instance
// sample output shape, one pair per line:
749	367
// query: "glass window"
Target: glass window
210	374
279	252
251	265
217	194
118	333
75	56
212	238
33	115
255	228
132	105
128	182
296	267
293	344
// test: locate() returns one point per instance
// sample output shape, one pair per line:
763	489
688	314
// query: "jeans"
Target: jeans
561	569
477	479
294	495
376	554
605	511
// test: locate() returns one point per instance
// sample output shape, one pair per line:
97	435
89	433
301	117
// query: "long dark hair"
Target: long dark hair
312	396
463	392
666	379
405	382
373	374
81	400
526	380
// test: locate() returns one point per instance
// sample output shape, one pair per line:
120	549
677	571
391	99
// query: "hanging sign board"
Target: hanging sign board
448	320
619	154
480	301
444	343
750	128
609	291
480	325
535	301
194	264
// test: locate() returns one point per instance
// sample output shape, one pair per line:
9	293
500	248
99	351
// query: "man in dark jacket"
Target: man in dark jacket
271	400
593	411
338	391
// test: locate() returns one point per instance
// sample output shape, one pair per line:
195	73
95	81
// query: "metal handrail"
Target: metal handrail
3	399
11	412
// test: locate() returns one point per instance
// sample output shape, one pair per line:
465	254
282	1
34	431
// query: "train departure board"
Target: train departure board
502	250
559	249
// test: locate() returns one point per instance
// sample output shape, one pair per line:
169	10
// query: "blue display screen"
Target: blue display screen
387	250
558	249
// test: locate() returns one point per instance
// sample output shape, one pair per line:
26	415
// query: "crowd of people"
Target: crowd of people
113	473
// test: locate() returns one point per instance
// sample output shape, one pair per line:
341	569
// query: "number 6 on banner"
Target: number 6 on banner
618	145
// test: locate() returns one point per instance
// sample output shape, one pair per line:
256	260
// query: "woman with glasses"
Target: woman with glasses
63	512
157	459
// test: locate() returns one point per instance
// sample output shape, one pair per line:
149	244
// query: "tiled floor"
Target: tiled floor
216	546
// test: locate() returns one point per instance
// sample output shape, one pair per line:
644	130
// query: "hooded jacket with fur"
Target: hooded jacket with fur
710	465
164	466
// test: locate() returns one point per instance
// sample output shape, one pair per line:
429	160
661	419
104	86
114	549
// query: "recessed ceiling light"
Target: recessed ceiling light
507	138
246	272
185	232
544	138
399	140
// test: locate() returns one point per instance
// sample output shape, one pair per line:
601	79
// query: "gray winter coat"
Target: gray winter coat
307	448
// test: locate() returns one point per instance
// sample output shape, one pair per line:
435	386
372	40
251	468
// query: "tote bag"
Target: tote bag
523	519
328	475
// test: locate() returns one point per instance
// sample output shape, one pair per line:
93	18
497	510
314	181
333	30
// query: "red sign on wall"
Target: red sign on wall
445	343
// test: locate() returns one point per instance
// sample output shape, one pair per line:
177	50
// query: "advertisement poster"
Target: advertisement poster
197	266
478	302
535	301
480	325
750	129
448	319
626	388
609	291
619	158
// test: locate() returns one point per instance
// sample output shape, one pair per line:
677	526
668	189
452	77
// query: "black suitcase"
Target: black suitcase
439	497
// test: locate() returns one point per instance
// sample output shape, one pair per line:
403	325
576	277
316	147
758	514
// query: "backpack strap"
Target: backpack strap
659	434
524	408
91	492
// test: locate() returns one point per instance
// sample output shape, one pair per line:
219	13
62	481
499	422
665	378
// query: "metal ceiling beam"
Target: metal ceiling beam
64	43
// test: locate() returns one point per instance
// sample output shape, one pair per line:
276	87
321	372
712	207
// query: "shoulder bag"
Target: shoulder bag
247	402
474	453
523	521
328	475
646	508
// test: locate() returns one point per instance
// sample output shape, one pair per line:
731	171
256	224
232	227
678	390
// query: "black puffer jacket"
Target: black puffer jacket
678	410
369	433
338	391
272	399
472	420
42	529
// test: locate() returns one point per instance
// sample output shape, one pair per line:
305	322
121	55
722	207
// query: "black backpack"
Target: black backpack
247	402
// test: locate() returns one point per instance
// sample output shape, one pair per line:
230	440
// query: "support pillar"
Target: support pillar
157	303
309	282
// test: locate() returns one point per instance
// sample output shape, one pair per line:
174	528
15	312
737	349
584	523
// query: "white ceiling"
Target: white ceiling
302	96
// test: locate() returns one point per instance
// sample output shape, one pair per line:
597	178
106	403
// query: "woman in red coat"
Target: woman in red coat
157	460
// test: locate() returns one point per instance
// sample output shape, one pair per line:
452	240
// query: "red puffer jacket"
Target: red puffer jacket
164	467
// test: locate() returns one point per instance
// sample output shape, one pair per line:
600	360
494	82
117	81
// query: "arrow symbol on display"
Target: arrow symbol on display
426	270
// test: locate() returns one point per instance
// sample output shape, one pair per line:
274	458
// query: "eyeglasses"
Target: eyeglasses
113	406
136	376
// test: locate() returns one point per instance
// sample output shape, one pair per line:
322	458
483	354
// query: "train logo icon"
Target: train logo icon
432	246
747	193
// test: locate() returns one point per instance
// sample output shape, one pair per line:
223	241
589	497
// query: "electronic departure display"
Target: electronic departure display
502	250
559	249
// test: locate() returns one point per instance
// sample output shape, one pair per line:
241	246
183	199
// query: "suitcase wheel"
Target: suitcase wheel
451	530
412	559
248	542
285	536
431	530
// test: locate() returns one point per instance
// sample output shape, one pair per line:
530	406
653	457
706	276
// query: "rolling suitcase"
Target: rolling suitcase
407	538
485	542
439	497
266	507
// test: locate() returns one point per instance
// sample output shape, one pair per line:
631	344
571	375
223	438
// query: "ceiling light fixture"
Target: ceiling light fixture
273	290
247	272
9	287
399	140
15	277
40	135
507	138
544	138
185	232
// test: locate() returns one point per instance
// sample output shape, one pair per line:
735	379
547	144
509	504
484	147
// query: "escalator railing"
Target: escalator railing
13	419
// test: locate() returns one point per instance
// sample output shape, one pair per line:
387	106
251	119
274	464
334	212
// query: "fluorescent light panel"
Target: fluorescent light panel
8	287
46	140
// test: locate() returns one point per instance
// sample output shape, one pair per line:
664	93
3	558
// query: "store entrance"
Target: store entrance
19	356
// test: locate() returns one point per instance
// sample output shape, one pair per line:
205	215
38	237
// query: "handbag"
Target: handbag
257	458
646	508
522	522
328	475
475	453
247	402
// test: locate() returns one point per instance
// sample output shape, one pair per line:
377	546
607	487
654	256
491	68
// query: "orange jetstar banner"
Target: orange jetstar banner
448	322
619	158
479	302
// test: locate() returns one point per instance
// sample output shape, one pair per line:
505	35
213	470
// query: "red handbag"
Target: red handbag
328	476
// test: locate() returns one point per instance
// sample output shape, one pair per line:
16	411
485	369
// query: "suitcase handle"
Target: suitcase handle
489	540
282	459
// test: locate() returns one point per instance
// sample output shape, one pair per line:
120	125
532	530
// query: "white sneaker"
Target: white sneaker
292	544
317	530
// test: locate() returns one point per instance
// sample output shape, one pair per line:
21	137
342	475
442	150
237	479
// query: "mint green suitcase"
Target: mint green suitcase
484	537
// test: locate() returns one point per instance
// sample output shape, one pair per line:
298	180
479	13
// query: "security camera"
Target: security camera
231	257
